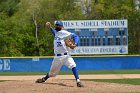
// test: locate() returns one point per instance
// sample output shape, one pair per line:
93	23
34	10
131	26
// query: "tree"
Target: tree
22	22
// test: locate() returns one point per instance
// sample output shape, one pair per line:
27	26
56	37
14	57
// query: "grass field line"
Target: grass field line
99	76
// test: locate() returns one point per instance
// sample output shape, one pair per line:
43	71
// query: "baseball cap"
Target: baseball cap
58	22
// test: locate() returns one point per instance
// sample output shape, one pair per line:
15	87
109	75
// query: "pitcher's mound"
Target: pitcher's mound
64	86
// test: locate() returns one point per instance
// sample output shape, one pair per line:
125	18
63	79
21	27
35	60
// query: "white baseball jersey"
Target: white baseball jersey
59	44
61	48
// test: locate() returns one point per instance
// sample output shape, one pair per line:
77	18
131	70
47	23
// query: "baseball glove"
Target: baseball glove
70	43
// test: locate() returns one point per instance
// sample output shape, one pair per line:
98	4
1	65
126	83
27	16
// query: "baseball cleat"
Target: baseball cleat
79	84
40	80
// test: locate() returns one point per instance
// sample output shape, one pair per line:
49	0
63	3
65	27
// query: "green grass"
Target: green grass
70	72
119	81
110	72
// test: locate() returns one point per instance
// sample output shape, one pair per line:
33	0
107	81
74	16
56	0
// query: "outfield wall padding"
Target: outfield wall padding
35	64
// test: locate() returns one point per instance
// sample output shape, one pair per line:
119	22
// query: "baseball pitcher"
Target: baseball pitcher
63	42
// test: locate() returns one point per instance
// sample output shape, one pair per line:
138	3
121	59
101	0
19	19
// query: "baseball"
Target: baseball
48	23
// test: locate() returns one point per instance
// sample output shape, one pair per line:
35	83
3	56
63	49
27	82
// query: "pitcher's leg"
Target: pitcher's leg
54	70
75	73
71	64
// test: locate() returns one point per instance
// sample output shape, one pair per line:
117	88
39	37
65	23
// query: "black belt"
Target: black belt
61	54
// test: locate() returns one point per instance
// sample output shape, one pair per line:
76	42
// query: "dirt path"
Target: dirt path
67	84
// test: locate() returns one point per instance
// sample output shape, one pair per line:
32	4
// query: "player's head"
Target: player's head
58	25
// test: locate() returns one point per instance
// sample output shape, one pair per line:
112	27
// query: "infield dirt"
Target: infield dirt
65	86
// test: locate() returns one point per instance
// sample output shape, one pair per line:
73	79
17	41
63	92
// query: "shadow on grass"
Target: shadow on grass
3	80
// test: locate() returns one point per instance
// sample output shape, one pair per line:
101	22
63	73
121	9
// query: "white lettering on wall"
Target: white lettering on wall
5	64
95	24
101	50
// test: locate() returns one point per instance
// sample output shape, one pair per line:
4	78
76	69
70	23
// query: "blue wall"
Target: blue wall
83	63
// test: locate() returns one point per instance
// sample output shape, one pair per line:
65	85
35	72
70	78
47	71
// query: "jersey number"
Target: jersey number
59	44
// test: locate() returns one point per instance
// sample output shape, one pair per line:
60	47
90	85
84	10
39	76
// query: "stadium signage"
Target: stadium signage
95	24
4	64
99	36
100	50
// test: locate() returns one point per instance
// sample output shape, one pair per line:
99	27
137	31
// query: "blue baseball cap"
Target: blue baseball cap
59	23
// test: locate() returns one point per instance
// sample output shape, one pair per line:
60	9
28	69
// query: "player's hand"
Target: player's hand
72	46
48	24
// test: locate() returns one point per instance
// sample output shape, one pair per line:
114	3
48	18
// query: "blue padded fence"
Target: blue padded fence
34	64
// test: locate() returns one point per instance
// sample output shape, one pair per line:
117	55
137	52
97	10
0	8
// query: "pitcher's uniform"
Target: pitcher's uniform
61	53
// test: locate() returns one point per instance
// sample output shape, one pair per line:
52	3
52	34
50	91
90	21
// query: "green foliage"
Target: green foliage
9	6
134	35
22	22
111	9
